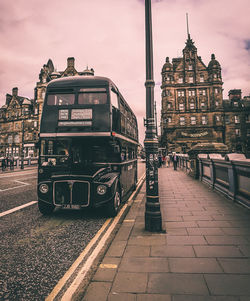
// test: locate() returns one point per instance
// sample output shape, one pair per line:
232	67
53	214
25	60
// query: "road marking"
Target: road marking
11	188
15	174
86	267
108	266
17	208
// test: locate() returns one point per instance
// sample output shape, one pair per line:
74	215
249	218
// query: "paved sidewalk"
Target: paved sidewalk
205	254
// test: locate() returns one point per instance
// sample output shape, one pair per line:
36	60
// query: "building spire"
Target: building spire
187	26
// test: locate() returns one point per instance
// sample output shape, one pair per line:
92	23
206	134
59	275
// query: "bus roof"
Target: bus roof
77	81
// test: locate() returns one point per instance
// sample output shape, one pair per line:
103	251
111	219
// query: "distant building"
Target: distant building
20	116
193	109
18	126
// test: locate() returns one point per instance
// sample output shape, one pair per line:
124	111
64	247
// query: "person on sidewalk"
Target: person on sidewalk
167	160
175	161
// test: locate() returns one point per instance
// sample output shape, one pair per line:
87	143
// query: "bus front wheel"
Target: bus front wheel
114	205
44	208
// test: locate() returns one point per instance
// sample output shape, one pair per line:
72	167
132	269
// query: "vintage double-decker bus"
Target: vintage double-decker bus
88	145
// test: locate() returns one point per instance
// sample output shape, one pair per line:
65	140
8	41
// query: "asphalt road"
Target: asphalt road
36	251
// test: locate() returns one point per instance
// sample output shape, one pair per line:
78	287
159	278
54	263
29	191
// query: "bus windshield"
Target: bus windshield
60	99
92	98
76	151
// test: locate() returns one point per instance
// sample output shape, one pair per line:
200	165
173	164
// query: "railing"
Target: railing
231	178
26	162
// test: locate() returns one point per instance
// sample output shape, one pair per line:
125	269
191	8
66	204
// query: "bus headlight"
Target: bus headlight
44	188
101	189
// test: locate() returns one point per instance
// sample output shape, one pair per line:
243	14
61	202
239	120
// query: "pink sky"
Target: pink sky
108	36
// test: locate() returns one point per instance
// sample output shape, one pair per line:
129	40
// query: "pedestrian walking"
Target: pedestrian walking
175	161
11	163
159	160
167	160
163	160
3	164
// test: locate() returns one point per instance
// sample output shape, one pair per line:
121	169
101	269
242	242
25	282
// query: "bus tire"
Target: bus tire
113	206
44	208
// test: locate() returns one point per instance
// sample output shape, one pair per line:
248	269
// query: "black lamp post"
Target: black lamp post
153	220
22	149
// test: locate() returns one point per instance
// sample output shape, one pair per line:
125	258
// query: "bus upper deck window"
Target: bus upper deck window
60	99
92	98
114	99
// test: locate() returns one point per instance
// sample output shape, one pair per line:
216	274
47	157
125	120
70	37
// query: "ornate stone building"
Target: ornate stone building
18	126
192	109
20	116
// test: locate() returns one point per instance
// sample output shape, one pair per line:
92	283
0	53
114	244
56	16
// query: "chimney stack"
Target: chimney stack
14	91
71	62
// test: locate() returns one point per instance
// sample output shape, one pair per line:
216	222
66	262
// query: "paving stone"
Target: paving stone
204	298
144	264
197	218
186	240
234	285
170	283
121	297
214	224
124	232
137	251
130	283
236	265
153	297
236	231
205	231
152	240
227	240
245	250
177	231
117	248
230	217
172	251
194	265
97	291
171	225
217	251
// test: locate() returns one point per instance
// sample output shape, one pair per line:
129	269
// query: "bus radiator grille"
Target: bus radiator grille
74	193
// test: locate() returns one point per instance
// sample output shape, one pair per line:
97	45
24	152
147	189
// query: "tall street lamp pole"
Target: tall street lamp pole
22	154
153	220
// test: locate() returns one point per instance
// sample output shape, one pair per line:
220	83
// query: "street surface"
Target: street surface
36	251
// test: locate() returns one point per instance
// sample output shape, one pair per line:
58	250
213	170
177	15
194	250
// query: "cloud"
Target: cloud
109	36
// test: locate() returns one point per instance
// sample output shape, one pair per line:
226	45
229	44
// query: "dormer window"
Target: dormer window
169	105
202	78
216	103
216	90
236	104
190	67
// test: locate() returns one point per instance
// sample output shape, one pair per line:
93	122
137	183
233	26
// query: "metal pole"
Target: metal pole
22	166
153	220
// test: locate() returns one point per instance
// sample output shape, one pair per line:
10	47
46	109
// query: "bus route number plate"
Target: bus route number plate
77	114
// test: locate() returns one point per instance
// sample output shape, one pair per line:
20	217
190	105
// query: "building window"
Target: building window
193	120
191	105
203	105
182	120
169	119
248	118
215	76
169	105
204	120
217	118
35	124
10	139
180	93
216	103
236	119
236	104
190	67
191	79
180	80
202	92
16	139
202	78
181	106
237	132
248	132
216	90
191	92
227	119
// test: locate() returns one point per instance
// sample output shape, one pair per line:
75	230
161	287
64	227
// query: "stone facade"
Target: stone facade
193	109
20	116
18	126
